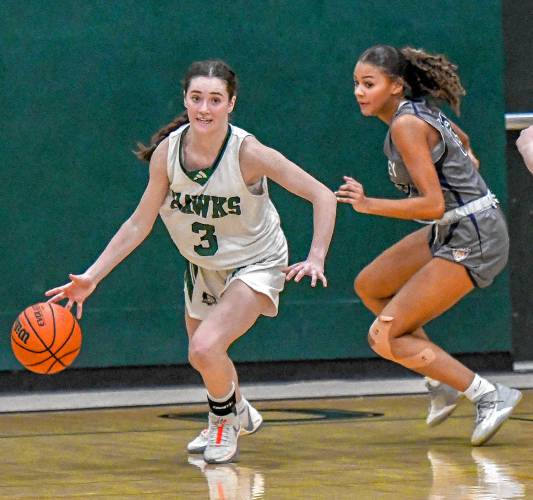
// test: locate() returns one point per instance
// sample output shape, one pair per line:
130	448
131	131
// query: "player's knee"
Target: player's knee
363	285
201	353
381	342
379	336
359	286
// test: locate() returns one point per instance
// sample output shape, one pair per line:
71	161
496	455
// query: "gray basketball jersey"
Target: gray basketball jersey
211	215
478	241
459	179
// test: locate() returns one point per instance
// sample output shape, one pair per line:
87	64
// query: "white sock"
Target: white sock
223	398
479	387
241	405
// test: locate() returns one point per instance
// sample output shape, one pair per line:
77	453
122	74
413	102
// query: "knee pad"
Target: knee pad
380	342
378	336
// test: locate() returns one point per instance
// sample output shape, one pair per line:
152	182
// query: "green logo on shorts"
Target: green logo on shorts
208	299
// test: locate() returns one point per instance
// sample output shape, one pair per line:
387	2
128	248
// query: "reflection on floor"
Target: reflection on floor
230	480
496	479
339	448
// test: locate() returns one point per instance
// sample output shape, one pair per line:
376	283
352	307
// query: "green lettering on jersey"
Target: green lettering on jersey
175	203
234	207
218	206
200	204
186	208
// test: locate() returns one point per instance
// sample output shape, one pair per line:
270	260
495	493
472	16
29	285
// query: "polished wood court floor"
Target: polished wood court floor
342	448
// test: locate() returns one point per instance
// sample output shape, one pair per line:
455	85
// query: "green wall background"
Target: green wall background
82	81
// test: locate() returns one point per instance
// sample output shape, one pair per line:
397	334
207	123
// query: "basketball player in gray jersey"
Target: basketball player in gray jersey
470	232
208	182
463	244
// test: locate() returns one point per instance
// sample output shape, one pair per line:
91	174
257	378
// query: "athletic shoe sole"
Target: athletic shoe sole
441	416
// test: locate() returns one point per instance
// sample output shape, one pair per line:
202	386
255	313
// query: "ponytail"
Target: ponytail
433	74
145	152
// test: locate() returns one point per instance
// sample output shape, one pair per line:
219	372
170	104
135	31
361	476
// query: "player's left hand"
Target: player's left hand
352	192
306	268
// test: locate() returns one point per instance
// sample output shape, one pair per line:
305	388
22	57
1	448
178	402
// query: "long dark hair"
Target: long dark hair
210	68
424	73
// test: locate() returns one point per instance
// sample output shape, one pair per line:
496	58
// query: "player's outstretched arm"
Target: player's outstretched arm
130	235
257	161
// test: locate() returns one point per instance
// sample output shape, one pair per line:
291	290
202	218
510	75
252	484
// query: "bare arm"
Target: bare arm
412	138
130	235
525	145
139	225
257	161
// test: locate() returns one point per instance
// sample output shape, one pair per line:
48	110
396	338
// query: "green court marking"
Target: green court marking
294	415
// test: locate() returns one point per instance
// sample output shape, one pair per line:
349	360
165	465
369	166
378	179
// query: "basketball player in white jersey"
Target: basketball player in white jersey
208	184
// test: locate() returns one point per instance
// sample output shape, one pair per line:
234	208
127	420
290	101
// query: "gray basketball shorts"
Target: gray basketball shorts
203	288
479	242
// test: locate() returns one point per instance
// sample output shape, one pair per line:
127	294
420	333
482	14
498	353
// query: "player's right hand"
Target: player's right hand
79	288
352	192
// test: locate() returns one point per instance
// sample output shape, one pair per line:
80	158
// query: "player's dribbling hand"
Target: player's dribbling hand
79	288
306	268
352	192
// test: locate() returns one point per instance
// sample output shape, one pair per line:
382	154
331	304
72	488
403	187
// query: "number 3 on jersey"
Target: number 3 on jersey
208	236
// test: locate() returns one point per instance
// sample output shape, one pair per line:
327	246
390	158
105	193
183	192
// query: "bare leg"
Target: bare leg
385	277
192	324
233	316
378	282
430	292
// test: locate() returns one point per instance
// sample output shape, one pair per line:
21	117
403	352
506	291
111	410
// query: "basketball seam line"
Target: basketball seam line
58	360
69	335
37	335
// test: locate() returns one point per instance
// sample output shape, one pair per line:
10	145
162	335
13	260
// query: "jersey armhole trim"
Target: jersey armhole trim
264	183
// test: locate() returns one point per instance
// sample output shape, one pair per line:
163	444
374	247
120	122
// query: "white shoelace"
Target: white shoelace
484	408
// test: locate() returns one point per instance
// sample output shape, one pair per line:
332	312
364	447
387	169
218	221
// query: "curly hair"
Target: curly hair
423	73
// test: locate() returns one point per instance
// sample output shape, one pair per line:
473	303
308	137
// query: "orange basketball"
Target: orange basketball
46	338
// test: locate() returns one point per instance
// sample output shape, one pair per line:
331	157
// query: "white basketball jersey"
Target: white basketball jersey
211	215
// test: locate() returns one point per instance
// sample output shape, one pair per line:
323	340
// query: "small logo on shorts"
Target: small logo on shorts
208	299
460	254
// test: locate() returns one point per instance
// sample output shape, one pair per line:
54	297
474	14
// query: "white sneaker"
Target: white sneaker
198	444
493	409
251	421
223	439
443	400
